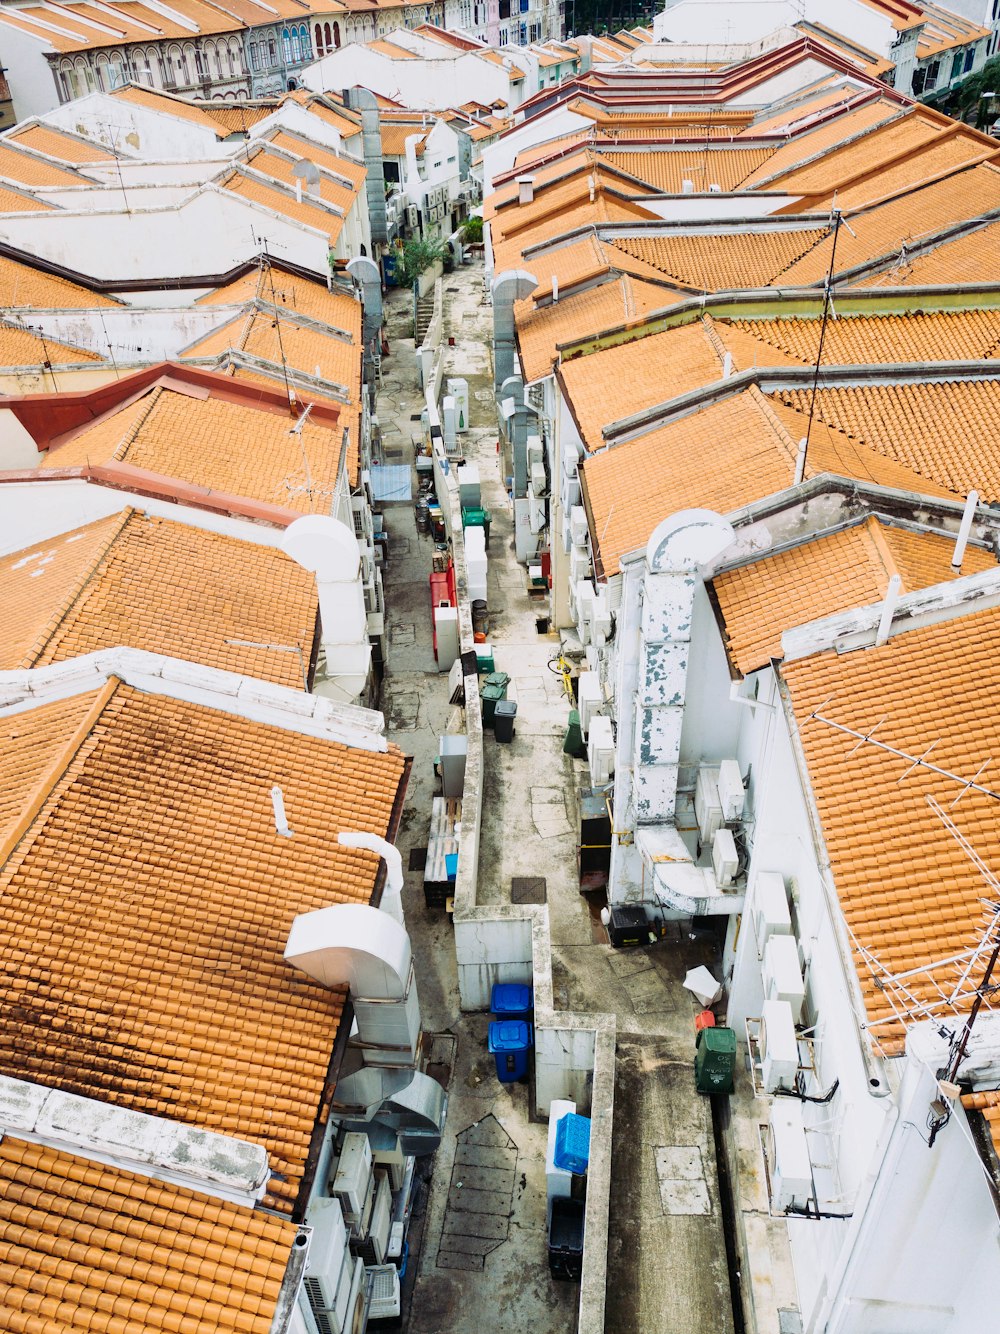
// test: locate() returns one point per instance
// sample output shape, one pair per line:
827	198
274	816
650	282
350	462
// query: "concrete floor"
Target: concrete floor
667	1261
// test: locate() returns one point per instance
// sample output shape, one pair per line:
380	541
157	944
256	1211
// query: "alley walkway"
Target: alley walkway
667	1263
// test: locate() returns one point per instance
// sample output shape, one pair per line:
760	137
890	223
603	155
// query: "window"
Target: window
254	56
932	74
304	42
970	56
522	34
535	32
505	9
503	37
524	6
336	34
272	52
286	44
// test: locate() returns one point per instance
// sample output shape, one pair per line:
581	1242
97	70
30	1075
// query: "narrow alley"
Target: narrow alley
478	1247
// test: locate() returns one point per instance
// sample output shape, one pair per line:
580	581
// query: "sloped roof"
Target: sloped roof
145	882
837	571
144	582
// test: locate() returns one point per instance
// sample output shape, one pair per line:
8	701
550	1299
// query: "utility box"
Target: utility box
770	907
452	750
628	925
715	1060
791	1170
458	389
779	1047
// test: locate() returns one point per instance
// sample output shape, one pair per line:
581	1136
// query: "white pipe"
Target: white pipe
280	818
968	514
727	365
555	289
391	896
888	607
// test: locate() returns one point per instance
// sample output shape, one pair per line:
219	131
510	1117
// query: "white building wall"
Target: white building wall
416	83
133	130
211	232
499	157
29	75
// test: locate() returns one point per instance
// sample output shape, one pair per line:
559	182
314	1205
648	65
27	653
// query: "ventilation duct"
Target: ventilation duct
392	902
506	288
328	548
365	273
361	99
359	946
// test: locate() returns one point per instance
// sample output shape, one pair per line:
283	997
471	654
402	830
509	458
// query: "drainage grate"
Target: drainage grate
418	859
480	1200
393	453
415	416
527	889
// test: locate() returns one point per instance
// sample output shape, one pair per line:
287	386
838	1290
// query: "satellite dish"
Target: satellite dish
304	170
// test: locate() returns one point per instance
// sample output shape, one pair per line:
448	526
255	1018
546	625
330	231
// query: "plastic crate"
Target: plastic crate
572	1150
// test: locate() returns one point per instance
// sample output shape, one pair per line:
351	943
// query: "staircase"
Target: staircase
423	316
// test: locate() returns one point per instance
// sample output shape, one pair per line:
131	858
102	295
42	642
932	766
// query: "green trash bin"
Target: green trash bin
493	689
574	744
715	1060
473	517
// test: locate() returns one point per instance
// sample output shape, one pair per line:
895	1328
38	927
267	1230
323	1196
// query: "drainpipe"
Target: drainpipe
392	902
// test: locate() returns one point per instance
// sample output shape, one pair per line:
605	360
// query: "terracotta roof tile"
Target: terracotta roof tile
666	169
151	893
303	295
170	105
988	1103
23	347
863	153
145	1254
21	285
945	432
58	144
941	335
973	257
148	583
720	261
16	201
227	447
909	893
808	142
833	573
795	111
580	315
280	201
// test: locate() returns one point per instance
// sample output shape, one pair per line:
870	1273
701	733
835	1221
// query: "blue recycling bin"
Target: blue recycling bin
572	1147
510	1041
512	1000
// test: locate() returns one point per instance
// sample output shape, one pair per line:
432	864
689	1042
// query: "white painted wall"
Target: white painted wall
211	232
415	83
33	511
29	74
132	333
499	157
135	131
172	172
712	723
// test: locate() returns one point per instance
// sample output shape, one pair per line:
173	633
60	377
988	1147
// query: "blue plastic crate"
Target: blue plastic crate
451	865
572	1148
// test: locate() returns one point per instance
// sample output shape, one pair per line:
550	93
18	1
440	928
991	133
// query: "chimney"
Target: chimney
525	189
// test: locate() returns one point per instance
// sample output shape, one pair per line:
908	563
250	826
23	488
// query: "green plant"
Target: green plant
472	230
415	258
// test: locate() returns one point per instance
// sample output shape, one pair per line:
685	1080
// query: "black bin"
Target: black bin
628	925
503	719
566	1239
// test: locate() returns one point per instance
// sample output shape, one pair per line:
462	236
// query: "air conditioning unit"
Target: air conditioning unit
353	1183
393	1161
770	907
779	1047
372	1246
535	452
791	1170
601	750
707	806
725	860
384	1280
782	974
333	1281
731	792
412	215
578	524
579	564
539	484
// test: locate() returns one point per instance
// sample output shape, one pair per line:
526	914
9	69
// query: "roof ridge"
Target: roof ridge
76	590
774	421
49	780
883	551
714	340
128	439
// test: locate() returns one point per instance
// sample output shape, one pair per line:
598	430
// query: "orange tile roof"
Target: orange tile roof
23	286
618	381
21	347
348	169
988	1103
144	582
908	892
829	574
280	201
395	135
390	49
794	111
166	989
335	192
581	314
923	335
228	447
59	144
90	1248
29	754
724	456
719	261
342	120
606	207
666	169
27	168
238	118
945	432
881	229
973	257
170	105
306	296
807	143
14	201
